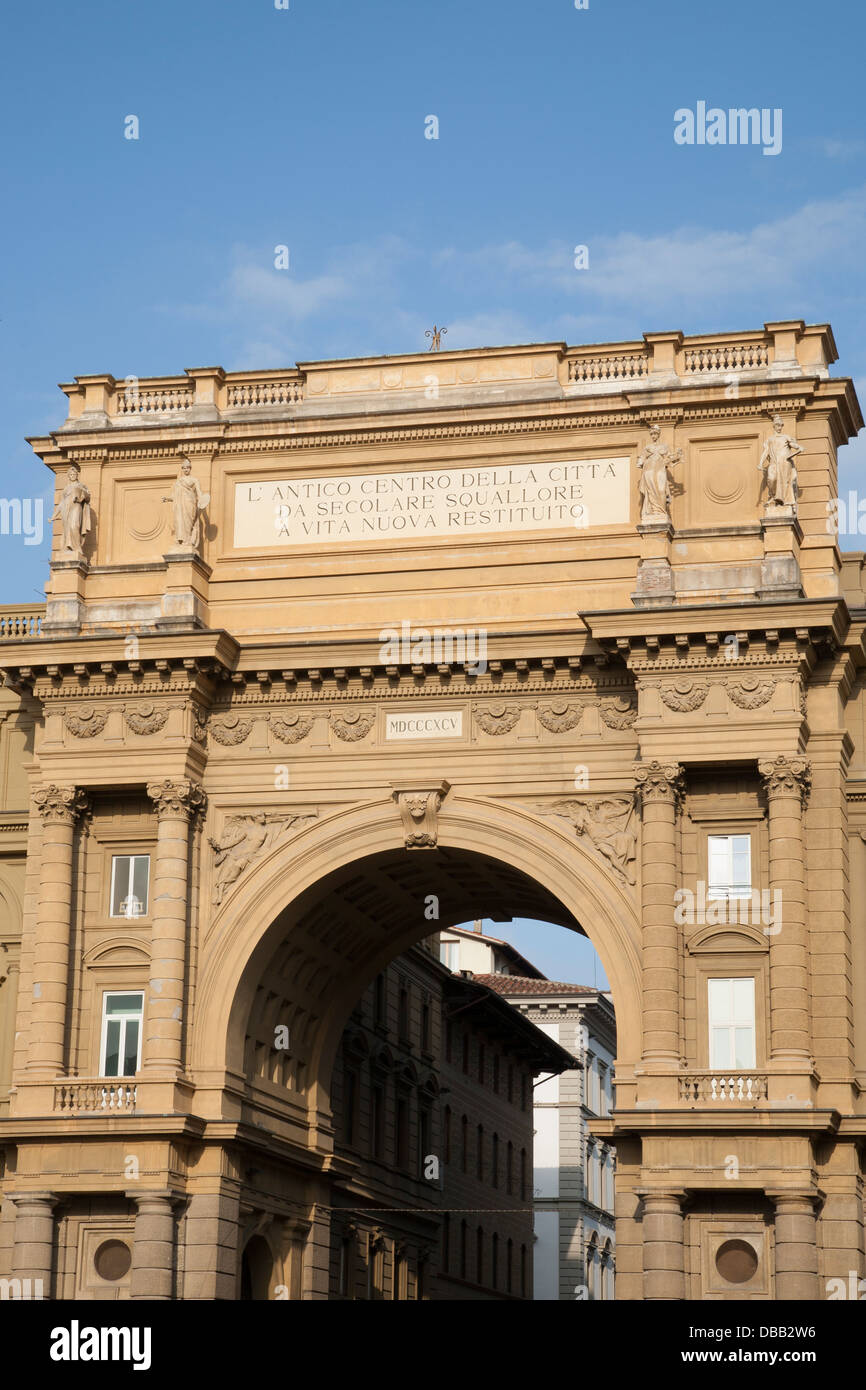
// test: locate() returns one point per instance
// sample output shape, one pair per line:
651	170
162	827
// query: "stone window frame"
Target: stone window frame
106	974
730	953
120	840
726	822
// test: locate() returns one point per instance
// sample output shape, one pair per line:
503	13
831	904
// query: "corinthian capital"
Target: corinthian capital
786	776
659	781
181	798
64	804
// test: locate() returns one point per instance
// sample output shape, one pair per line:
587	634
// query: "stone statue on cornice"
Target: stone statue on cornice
656	464
777	464
188	502
73	510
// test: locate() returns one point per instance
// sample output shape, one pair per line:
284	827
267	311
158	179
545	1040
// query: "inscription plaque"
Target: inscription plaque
451	502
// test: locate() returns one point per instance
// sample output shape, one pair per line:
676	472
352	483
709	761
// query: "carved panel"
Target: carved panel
292	728
683	696
560	716
750	692
231	730
146	719
620	713
86	723
497	718
353	725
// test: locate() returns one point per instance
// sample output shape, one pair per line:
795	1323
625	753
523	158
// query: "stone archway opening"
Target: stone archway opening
336	937
363	1090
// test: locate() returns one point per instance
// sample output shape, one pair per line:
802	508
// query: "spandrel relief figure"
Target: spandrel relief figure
244	839
73	511
777	465
656	464
188	502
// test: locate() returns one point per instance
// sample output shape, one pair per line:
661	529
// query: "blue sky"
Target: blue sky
305	127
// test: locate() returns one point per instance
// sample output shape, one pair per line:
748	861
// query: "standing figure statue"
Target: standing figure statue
73	509
188	502
656	463
777	464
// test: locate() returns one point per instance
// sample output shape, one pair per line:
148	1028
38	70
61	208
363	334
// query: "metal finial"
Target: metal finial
435	334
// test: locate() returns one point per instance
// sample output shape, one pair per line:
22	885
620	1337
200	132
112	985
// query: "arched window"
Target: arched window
607	1270
494	1263
592	1267
479	1157
479	1255
446	1134
509	1168
463	1236
464	1144
494	1162
509	1266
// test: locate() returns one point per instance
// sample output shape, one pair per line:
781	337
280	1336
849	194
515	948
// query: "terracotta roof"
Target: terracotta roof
520	984
496	941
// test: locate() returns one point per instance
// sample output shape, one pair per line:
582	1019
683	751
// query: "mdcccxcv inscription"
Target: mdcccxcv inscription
445	502
438	724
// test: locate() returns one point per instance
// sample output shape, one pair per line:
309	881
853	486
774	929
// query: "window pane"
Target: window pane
743	1001
120	868
720	1047
130	1050
112	1047
719	999
140	876
122	1004
744	1047
742	858
719	859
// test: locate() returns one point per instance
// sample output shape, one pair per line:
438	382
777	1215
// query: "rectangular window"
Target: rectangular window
351	1105
732	1023
130	881
424	1128
403	1014
449	954
121	1034
378	1122
729	866
402	1132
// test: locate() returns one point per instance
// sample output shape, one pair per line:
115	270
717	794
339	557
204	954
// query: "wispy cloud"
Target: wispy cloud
376	296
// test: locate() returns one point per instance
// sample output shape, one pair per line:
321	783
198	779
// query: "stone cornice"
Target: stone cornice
620	630
167	439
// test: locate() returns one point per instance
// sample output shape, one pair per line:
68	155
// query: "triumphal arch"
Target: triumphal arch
336	655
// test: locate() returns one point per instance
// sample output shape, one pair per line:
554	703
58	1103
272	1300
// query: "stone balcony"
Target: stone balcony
723	1088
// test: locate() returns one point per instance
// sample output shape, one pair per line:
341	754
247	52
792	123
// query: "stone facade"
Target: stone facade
598	672
431	1097
574	1171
